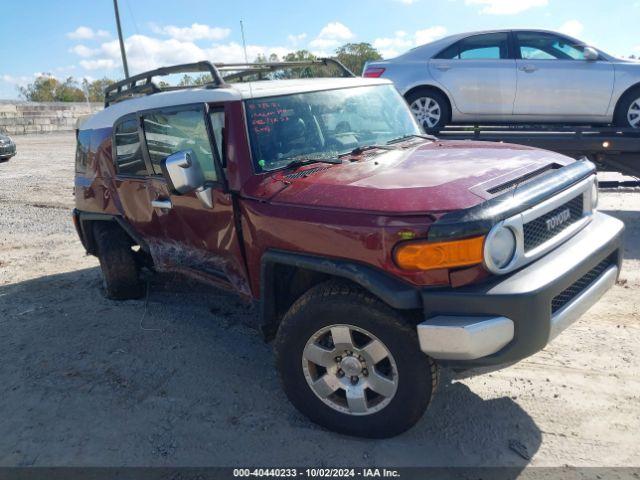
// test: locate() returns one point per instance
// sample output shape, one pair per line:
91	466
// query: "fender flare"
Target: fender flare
394	292
82	221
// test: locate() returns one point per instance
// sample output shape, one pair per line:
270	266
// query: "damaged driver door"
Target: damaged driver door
200	238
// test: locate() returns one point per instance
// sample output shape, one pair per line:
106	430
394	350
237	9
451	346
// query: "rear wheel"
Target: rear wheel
352	364
628	111
430	108
120	271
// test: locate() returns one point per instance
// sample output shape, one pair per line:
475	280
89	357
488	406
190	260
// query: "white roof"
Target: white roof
235	91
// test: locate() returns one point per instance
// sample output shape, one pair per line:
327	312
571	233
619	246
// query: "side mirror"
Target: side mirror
184	174
590	54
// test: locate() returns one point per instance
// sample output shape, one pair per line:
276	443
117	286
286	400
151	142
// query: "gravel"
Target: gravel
184	378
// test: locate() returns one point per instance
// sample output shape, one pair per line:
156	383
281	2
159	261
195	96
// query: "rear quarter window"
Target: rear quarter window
128	148
82	150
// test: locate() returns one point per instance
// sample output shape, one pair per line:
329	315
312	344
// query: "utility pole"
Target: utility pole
122	51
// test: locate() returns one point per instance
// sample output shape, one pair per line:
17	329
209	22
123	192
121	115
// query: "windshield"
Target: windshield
318	126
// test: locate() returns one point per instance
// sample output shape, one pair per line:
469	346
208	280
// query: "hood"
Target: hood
434	177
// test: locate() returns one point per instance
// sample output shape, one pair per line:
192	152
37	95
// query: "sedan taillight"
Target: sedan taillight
373	72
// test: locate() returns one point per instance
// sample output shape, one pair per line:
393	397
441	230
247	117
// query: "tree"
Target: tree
46	88
355	55
95	90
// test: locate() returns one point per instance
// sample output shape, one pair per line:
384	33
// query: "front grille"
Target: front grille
544	228
517	182
7	149
580	285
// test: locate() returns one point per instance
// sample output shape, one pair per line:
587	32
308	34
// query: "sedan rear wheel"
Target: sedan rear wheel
427	111
431	109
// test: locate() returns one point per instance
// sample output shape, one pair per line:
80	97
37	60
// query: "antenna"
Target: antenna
122	51
246	58
244	43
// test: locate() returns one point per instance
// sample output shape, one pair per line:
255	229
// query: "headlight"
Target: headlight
500	247
594	194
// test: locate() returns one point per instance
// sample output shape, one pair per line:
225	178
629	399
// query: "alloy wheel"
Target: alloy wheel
633	114
427	111
350	369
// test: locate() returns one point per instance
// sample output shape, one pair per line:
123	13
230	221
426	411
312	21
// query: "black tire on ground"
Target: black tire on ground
621	118
338	303
120	271
443	108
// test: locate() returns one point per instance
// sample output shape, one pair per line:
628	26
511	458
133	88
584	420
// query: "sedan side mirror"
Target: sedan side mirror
591	54
184	174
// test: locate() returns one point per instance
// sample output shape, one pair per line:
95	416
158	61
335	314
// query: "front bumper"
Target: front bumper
514	316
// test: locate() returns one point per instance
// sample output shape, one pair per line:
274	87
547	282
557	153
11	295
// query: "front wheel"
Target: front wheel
430	108
352	364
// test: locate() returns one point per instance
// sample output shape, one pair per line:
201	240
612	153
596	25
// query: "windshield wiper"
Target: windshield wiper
364	148
413	135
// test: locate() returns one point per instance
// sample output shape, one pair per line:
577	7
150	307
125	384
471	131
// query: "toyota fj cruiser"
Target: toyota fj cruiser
375	253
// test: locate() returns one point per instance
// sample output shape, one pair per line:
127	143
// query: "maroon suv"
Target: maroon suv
375	253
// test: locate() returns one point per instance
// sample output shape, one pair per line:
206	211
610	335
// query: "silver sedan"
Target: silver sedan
514	76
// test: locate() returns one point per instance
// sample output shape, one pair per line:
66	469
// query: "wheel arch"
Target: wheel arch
432	88
623	95
85	221
285	276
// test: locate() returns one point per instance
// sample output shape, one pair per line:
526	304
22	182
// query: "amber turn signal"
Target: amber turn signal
423	255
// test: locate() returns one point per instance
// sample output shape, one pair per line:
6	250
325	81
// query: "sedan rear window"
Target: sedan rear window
490	46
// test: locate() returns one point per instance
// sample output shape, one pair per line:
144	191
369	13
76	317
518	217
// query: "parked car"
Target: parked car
511	76
375	254
7	148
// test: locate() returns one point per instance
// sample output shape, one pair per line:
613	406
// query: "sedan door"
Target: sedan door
478	74
555	80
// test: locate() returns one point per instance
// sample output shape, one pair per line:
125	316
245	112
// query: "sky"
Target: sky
78	38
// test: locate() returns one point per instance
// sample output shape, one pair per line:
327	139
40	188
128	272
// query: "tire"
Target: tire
120	271
332	307
426	104
628	104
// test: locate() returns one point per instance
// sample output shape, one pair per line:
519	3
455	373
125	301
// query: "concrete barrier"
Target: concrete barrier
18	118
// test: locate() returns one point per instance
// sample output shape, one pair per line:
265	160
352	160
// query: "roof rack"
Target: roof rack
131	86
142	83
243	69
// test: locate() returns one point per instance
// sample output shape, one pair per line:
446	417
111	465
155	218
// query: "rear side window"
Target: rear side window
490	46
168	132
82	150
129	159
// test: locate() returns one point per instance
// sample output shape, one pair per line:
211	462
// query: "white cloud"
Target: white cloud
296	39
196	31
86	33
572	27
506	7
146	53
84	51
390	47
100	64
331	36
406	2
428	35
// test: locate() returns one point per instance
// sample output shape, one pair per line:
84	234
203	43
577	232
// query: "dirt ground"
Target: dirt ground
185	378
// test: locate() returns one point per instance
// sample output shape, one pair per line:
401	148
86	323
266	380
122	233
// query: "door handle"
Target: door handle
443	68
528	68
165	204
